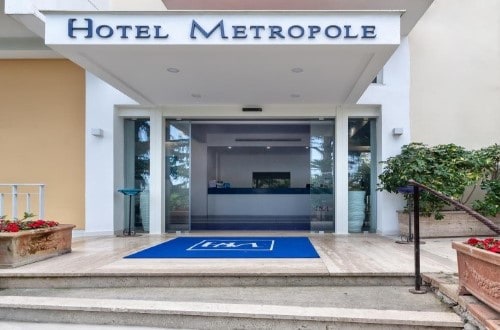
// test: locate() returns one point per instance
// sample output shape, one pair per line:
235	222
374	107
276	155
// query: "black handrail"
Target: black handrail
416	223
487	222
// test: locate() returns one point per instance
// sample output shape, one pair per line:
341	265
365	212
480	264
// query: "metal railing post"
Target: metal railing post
17	190
1	205
14	201
41	201
416	240
28	203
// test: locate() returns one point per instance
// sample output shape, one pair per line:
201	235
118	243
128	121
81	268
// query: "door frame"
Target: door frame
158	116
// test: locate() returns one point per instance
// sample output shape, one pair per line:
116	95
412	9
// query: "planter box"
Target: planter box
27	246
478	272
454	224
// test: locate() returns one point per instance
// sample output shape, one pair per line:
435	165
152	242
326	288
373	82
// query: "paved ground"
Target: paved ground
347	255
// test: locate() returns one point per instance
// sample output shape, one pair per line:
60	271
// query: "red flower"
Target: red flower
495	249
12	227
489	244
472	241
18	225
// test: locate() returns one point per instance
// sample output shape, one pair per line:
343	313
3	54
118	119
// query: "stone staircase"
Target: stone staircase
224	302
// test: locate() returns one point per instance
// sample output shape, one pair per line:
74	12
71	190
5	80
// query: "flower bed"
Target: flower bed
489	244
13	226
26	241
479	269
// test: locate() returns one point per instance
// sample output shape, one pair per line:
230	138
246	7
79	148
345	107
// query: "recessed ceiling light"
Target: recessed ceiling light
196	95
294	95
297	70
173	70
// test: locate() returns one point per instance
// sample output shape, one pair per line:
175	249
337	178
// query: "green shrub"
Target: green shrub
447	168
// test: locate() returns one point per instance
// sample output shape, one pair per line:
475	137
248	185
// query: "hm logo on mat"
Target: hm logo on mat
233	245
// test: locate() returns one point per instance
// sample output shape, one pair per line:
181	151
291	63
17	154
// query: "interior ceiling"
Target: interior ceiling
274	150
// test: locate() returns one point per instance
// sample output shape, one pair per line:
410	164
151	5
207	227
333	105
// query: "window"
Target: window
271	179
379	78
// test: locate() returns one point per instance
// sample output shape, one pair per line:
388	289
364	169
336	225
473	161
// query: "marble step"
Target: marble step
210	315
110	280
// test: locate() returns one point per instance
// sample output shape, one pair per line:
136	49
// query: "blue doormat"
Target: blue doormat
231	247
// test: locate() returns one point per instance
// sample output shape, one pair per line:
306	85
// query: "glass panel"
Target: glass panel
361	173
322	151
178	176
137	156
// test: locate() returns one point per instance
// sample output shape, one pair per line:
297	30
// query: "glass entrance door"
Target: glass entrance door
177	176
322	151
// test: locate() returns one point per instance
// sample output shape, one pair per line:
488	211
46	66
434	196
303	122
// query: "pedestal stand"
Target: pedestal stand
129	192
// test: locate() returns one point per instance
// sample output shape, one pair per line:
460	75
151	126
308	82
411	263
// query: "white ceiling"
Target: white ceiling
17	41
243	75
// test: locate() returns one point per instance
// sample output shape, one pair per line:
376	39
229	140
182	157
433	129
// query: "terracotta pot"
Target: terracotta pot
478	272
27	246
454	224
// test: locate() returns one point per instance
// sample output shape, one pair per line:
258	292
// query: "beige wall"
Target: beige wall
42	120
455	74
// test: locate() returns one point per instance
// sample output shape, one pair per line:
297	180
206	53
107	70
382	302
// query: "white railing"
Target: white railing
15	191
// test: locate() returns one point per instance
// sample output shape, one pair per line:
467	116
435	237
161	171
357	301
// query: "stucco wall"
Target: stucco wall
42	118
455	70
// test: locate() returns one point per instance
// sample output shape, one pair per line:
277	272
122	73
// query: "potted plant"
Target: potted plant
454	171
478	269
25	241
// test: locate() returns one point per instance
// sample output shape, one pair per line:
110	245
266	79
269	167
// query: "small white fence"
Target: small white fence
23	197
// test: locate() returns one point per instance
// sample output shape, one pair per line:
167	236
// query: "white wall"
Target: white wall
455	74
237	169
104	206
393	96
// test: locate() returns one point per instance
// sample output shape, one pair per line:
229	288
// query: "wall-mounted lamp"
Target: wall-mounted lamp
97	132
397	131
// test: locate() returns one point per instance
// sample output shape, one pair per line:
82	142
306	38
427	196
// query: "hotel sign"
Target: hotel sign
184	28
87	29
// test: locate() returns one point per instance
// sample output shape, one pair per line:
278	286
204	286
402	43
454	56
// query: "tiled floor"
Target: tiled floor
359	254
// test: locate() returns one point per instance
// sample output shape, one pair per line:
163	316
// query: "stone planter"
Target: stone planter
454	224
478	272
28	246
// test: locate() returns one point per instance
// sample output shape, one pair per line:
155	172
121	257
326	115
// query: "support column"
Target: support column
157	179
341	170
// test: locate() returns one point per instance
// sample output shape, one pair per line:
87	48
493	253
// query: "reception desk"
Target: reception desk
259	201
